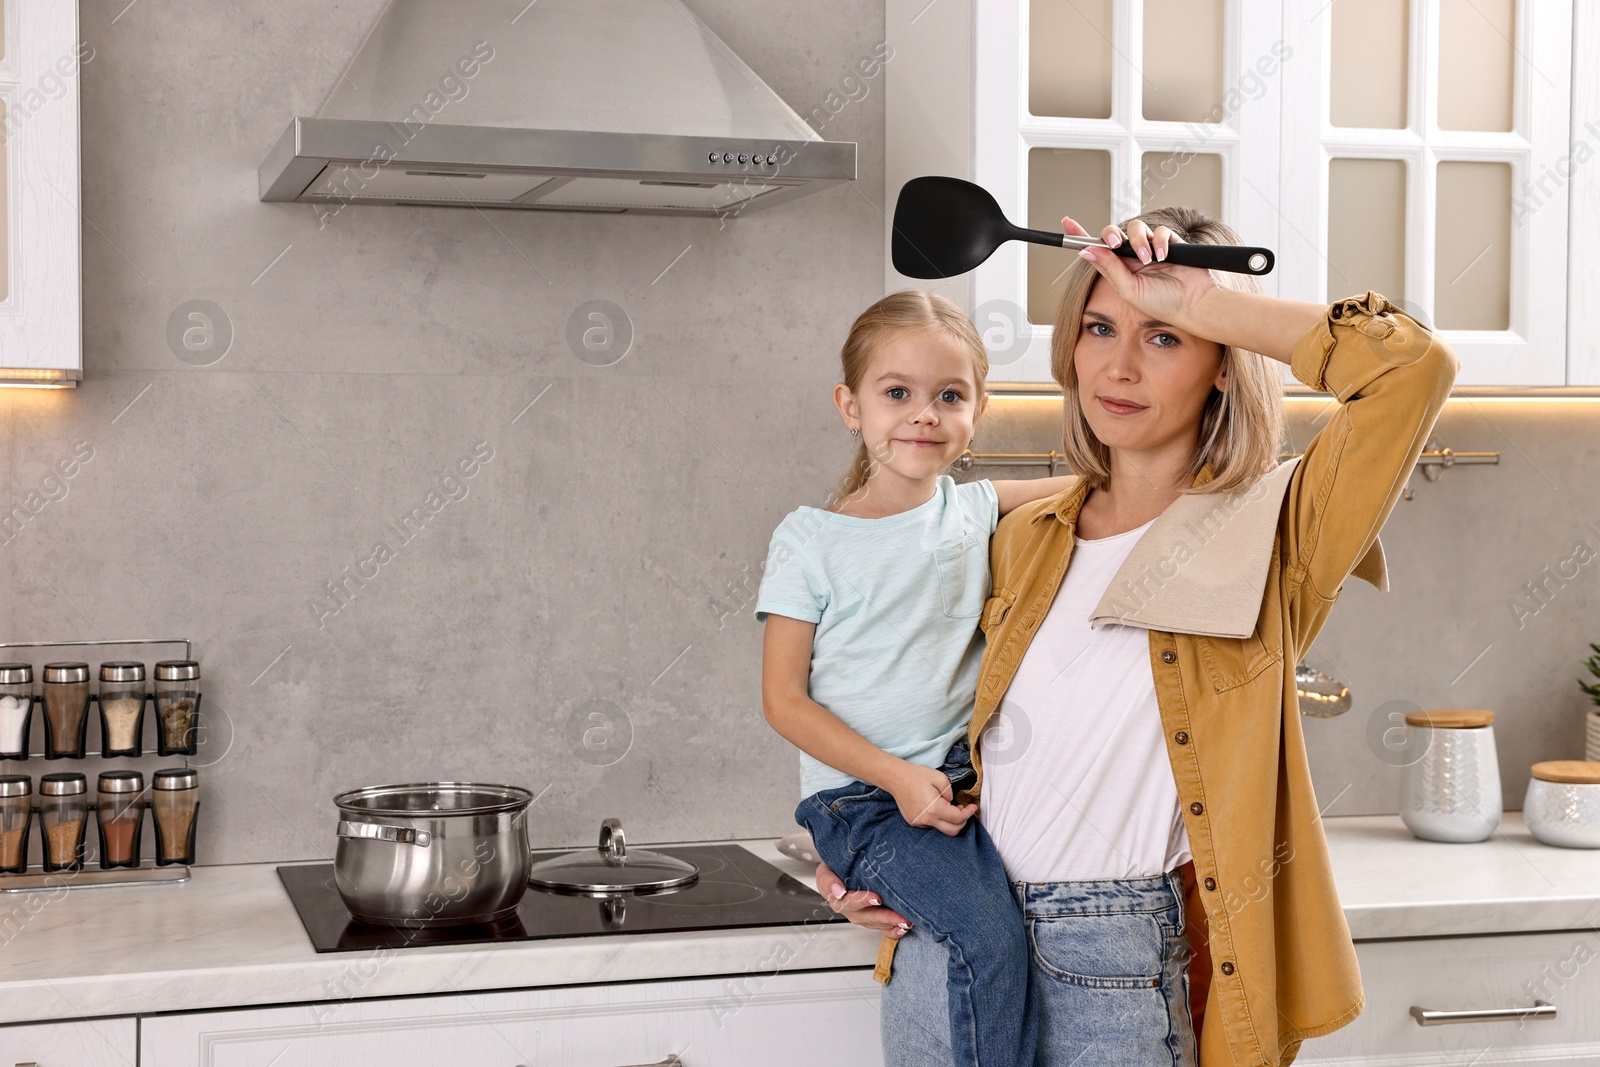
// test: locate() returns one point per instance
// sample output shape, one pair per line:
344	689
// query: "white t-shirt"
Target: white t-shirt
1076	780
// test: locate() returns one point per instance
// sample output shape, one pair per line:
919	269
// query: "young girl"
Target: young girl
871	655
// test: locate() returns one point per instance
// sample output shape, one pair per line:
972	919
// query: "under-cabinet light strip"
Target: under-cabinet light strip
37	378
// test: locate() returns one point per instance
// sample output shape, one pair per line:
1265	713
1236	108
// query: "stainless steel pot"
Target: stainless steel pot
432	853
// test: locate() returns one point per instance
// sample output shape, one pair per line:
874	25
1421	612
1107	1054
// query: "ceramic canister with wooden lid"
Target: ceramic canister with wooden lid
1562	805
1451	792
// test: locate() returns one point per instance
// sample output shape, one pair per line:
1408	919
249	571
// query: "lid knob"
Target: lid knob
612	841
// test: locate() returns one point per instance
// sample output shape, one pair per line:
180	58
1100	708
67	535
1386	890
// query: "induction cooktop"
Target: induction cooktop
735	889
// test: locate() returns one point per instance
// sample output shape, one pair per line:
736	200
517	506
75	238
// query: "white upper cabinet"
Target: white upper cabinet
1415	137
40	259
1582	176
1423	149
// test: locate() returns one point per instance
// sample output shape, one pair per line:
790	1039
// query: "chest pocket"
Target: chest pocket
1231	662
961	589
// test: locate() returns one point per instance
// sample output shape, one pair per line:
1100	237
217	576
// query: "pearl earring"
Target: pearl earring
854	431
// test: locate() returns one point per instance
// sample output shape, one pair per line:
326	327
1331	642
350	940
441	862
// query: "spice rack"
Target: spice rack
40	875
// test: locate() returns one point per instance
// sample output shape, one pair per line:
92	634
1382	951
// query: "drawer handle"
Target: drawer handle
670	1061
1542	1009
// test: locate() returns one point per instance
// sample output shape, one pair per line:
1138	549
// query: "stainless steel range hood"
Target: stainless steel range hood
562	105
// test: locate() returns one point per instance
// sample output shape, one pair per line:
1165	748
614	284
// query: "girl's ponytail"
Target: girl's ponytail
856	476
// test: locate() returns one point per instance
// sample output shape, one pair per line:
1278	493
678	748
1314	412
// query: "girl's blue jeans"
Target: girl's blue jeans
1110	962
953	890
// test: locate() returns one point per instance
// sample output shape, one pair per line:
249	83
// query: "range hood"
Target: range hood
566	105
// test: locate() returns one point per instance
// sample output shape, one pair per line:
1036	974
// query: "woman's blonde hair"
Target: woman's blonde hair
1241	428
909	309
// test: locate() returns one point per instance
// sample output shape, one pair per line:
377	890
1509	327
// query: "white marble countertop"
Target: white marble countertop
230	937
1393	885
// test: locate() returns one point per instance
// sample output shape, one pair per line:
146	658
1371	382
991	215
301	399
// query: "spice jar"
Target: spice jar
120	812
16	709
1452	791
16	815
122	698
66	709
63	811
177	706
175	801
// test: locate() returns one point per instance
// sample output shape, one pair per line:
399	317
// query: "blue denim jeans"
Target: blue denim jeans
954	892
1109	960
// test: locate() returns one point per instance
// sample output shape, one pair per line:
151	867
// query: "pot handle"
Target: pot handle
371	831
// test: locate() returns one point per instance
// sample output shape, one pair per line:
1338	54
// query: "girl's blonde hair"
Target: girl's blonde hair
909	309
1241	428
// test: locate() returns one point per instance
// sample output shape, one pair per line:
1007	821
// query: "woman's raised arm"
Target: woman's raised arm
1391	376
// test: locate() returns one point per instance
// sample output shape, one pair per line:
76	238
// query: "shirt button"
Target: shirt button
1169	656
1227	967
1197	807
1182	737
1211	883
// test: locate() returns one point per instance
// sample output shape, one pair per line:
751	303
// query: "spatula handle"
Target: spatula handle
1235	259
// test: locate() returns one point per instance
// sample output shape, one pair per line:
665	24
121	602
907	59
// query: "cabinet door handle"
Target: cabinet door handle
1542	1009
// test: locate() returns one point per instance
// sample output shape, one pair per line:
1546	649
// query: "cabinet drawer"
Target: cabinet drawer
1454	973
774	1020
90	1043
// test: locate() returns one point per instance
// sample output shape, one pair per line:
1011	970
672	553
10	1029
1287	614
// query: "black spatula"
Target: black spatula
946	226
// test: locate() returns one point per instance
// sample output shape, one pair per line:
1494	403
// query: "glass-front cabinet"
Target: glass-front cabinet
1435	122
1431	150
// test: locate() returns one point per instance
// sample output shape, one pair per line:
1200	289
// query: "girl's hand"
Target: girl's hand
1167	291
925	798
861	907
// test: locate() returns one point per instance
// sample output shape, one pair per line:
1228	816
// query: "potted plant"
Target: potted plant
1592	720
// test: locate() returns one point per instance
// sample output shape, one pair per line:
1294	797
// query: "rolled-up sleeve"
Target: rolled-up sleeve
1391	376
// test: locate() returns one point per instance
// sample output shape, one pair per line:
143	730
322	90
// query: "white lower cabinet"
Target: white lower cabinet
830	1017
91	1043
801	1019
1506	971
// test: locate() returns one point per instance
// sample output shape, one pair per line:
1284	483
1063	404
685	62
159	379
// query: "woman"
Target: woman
1180	909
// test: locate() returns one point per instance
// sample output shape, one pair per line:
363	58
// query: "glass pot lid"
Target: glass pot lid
612	868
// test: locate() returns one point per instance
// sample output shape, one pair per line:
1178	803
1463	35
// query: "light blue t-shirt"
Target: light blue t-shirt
896	601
